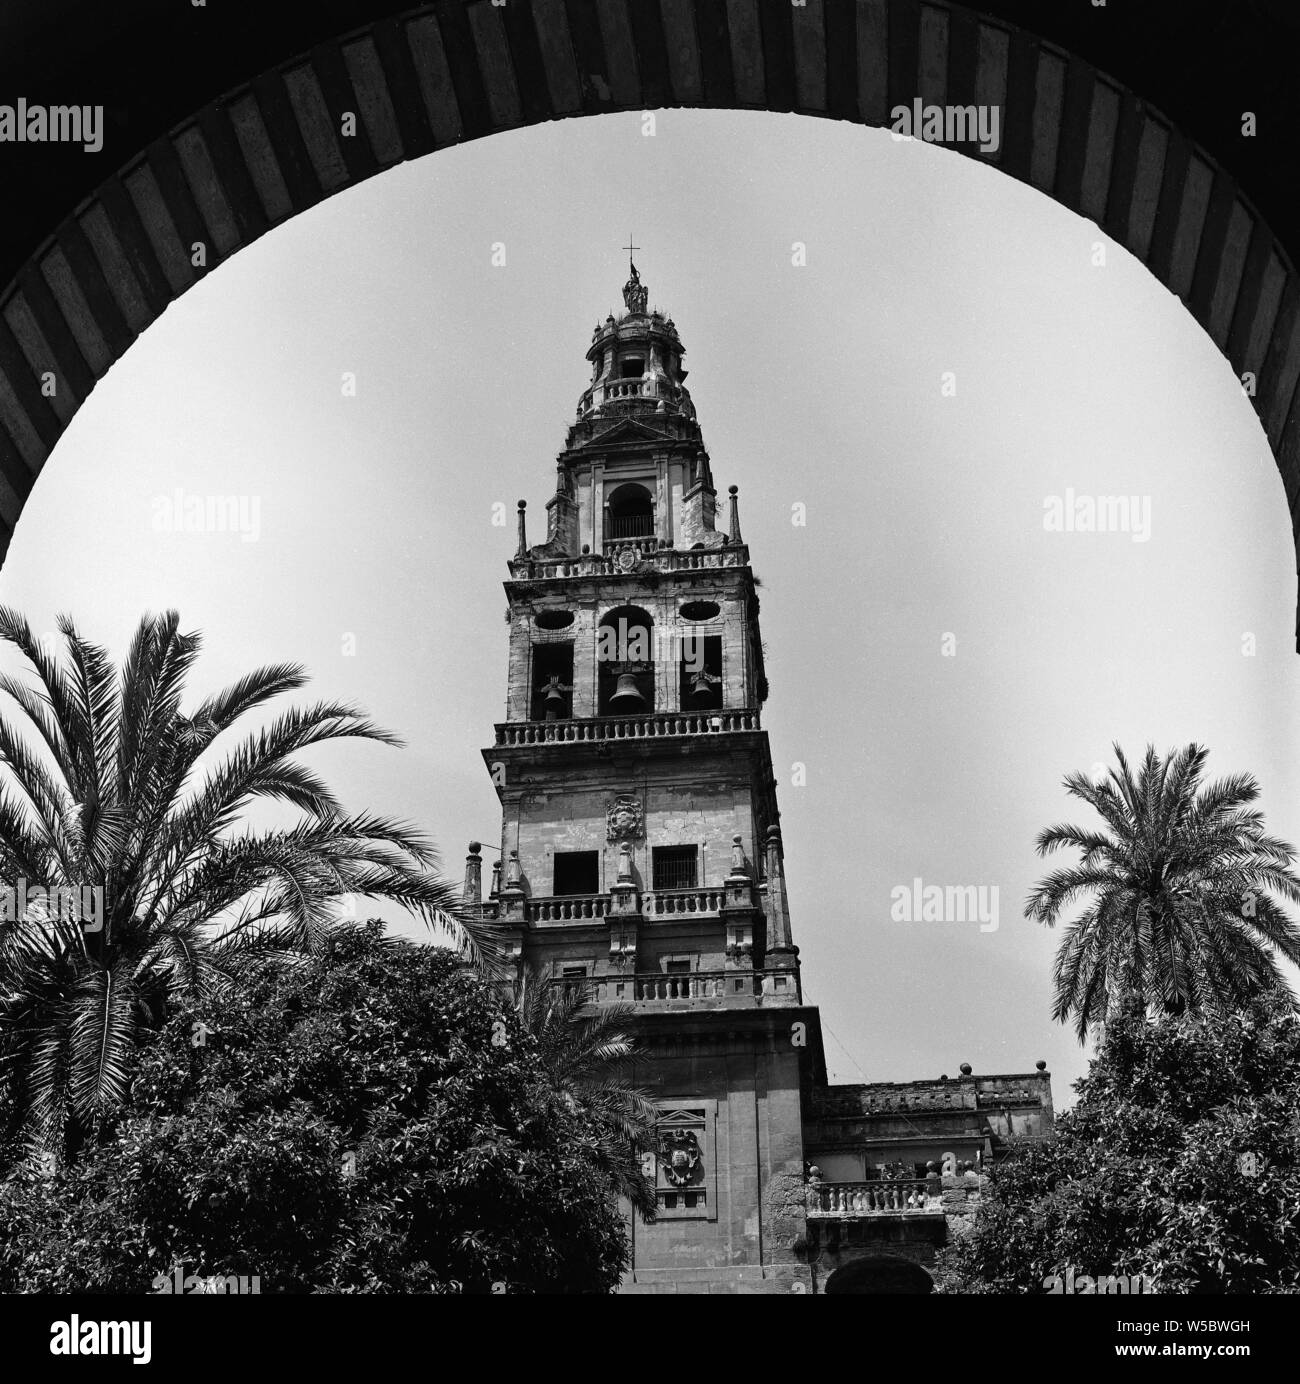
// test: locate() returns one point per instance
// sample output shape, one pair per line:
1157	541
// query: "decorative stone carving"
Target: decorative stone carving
739	869
680	1156
625	819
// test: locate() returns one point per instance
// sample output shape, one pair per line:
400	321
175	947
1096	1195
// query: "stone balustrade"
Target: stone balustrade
664	902
603	565
600	728
706	988
883	1198
563	908
695	985
624	389
567	908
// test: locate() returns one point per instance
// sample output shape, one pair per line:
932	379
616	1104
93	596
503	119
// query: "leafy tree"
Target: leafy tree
369	1118
105	790
1180	1161
1180	915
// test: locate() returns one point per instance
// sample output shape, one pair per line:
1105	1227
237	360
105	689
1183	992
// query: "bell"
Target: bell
627	695
554	703
701	689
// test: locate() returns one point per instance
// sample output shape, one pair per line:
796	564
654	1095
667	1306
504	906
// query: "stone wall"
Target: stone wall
751	1240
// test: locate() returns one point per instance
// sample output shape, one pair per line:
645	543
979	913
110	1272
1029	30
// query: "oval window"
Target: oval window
554	619
700	610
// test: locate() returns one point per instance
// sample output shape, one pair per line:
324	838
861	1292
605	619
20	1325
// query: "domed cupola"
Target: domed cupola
636	363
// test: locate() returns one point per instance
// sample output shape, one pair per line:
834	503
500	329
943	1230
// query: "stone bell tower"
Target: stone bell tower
641	845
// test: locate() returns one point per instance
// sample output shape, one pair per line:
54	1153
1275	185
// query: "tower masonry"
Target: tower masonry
641	853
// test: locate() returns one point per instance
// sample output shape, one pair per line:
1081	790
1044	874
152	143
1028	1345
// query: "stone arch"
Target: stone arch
625	661
249	130
880	1273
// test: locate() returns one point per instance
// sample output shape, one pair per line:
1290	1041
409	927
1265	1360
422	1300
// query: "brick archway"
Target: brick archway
247	132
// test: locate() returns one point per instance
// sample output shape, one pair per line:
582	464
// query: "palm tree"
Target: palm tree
1180	916
581	1045
105	791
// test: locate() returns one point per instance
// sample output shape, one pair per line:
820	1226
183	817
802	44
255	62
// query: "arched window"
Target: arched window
625	680
631	512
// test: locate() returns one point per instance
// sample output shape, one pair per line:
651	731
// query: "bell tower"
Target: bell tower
641	845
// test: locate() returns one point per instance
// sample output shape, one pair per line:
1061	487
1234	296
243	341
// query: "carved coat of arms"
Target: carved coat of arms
680	1155
625	819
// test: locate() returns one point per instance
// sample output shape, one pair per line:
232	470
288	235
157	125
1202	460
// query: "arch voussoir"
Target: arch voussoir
272	144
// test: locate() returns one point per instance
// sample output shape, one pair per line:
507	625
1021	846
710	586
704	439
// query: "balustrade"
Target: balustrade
883	1198
693	985
563	908
666	989
627	727
666	901
602	565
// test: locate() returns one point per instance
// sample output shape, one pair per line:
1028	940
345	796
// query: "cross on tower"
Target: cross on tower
629	247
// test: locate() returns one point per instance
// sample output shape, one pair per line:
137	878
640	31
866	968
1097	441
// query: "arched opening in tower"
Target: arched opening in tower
552	698
625	679
700	671
631	512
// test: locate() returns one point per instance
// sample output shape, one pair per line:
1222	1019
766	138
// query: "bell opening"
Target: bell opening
701	671
625	663
552	693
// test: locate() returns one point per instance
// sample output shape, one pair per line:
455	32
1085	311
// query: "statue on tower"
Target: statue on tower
635	294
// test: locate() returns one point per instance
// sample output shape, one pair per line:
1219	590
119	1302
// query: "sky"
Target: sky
958	359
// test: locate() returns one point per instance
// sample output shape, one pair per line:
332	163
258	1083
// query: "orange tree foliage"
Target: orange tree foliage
371	1118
